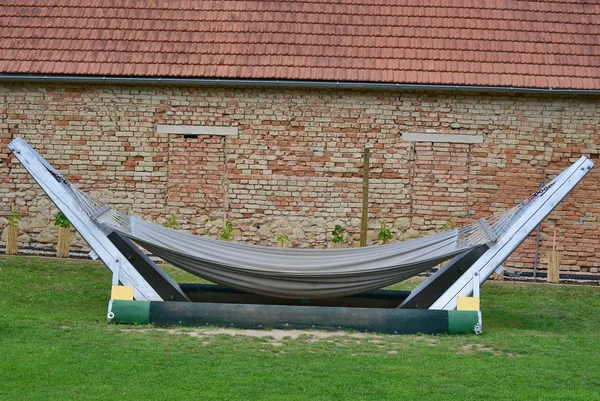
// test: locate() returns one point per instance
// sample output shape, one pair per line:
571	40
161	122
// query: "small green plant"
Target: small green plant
283	237
338	234
226	233
449	225
384	233
13	219
60	220
172	222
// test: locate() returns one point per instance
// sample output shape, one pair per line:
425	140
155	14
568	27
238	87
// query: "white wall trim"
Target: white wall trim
447	138
196	130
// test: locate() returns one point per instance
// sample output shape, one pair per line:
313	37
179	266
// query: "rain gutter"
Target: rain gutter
92	79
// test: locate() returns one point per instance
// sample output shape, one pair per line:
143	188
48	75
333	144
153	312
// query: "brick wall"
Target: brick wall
295	164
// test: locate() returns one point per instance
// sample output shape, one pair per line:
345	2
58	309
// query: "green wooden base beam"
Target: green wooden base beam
252	316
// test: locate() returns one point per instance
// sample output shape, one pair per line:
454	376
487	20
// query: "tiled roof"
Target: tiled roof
457	42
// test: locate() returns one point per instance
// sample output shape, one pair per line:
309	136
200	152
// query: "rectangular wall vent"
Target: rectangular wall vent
446	138
196	130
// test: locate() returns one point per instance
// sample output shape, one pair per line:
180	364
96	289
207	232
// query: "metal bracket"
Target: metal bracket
100	212
478	328
110	314
476	285
489	231
116	271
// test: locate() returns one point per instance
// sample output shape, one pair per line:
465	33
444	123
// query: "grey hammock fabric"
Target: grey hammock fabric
295	273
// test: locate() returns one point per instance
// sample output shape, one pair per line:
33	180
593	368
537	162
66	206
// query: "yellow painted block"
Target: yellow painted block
122	293
467	303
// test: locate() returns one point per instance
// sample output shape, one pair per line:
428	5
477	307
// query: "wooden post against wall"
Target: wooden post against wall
64	242
11	241
365	199
554	259
12	231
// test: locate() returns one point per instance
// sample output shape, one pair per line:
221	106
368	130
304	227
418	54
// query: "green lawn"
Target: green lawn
540	342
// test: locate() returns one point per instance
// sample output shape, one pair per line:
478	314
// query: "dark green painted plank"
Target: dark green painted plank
131	312
462	321
219	294
393	321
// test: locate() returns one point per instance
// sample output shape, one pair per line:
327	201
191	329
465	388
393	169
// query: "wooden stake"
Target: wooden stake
64	242
365	199
11	241
554	259
283	244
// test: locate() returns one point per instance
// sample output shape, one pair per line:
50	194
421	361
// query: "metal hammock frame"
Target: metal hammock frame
503	232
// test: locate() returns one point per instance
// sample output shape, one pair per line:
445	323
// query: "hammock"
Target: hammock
297	273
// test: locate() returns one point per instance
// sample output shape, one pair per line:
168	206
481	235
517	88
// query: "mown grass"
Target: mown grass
540	342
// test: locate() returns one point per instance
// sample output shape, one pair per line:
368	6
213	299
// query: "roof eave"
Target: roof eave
285	83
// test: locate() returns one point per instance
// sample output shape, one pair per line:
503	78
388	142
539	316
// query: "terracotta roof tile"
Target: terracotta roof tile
405	41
